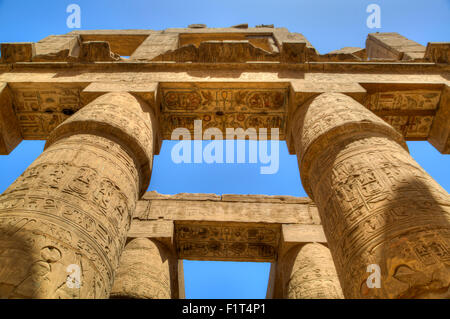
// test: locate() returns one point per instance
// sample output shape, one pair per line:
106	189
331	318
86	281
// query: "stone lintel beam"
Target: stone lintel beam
438	52
393	46
295	234
232	208
440	130
146	91
75	203
161	230
302	90
18	52
206	240
10	135
57	48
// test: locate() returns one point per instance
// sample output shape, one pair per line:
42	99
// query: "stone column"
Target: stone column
377	205
311	272
147	271
64	221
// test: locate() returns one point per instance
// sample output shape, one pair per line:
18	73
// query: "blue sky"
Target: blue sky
328	25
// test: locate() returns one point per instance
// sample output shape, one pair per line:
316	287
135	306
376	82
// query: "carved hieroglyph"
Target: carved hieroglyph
409	112
377	205
144	271
74	204
223	107
312	273
228	241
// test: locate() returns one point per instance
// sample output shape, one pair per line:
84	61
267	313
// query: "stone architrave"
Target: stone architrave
377	205
64	221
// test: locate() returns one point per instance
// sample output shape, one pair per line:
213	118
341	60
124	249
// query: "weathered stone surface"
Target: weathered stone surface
297	233
104	117
18	52
311	273
440	131
97	51
161	230
146	271
391	45
153	195
41	107
227	241
240	26
409	108
74	204
10	135
228	211
438	52
218	52
57	48
377	205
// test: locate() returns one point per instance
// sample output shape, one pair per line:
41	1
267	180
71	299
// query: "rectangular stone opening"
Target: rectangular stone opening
225	280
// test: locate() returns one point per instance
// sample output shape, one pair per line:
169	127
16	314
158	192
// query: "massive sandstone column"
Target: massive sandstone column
377	205
312	274
70	211
145	271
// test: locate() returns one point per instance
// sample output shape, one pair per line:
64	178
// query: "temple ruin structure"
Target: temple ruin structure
79	222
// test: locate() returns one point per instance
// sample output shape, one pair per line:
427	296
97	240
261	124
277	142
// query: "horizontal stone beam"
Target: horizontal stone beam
229	208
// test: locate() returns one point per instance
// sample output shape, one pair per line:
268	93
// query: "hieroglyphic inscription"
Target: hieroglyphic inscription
223	108
92	210
391	214
231	241
40	109
409	112
79	196
229	211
